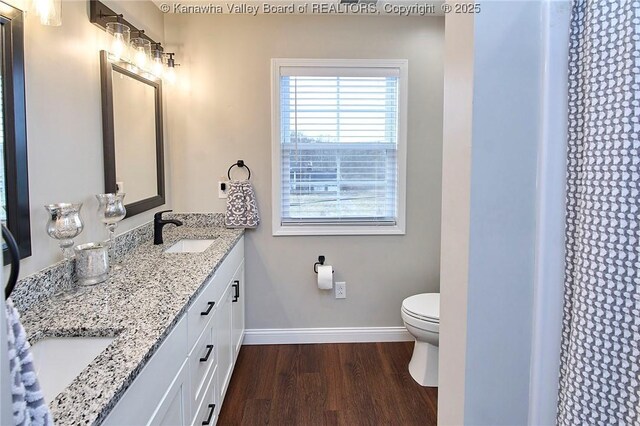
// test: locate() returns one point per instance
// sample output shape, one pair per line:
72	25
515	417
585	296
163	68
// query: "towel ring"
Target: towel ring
239	163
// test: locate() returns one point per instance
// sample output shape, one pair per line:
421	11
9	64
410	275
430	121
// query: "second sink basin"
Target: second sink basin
189	246
59	360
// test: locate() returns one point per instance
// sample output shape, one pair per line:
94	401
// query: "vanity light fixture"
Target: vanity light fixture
130	46
120	36
170	73
48	11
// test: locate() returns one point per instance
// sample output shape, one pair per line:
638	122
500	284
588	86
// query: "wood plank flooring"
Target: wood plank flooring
329	384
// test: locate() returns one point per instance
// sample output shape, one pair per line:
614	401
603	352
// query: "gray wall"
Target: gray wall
223	113
64	119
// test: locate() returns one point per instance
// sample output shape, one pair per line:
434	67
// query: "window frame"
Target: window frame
278	229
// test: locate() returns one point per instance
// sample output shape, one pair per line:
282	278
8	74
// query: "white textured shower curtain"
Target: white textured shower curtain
600	360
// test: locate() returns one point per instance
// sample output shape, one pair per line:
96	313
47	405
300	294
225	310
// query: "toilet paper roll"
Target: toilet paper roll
325	277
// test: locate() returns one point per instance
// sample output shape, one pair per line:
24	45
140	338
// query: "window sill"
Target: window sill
327	230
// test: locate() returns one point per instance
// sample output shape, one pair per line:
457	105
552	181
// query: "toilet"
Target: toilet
421	316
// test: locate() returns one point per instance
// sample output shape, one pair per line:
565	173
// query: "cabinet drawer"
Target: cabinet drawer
207	413
202	362
229	266
201	311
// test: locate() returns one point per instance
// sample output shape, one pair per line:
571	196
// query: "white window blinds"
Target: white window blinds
339	143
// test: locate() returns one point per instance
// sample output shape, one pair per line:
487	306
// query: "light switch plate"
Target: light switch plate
222	193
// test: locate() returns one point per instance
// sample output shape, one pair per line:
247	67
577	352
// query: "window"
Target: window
339	146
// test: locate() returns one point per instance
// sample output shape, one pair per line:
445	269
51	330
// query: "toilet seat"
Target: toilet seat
420	324
419	319
424	307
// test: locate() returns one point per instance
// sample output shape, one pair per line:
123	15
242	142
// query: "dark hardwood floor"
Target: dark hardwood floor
329	384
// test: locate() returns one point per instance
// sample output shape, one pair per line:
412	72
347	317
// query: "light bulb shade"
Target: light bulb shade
49	12
119	37
141	53
170	75
157	66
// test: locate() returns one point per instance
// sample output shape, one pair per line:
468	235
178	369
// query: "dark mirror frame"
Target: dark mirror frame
108	135
15	129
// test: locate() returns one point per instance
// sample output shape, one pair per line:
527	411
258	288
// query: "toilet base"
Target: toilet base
423	366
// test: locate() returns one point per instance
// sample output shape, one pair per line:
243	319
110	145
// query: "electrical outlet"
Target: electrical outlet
341	290
223	187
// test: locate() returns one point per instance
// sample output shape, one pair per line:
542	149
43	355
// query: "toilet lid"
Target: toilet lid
425	305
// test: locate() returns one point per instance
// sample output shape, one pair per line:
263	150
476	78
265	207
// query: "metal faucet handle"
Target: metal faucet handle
158	215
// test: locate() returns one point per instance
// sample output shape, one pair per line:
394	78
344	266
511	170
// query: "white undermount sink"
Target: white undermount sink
59	360
189	246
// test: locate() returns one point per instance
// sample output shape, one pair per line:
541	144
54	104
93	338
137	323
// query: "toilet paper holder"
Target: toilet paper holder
320	261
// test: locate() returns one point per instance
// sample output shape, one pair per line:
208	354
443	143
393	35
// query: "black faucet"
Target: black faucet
159	223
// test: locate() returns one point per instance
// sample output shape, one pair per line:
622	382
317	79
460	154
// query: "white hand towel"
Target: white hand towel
242	209
29	406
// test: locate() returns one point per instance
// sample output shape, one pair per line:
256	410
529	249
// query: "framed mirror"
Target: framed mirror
132	136
14	176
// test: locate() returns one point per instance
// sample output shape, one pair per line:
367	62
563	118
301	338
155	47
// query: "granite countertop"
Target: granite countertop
139	305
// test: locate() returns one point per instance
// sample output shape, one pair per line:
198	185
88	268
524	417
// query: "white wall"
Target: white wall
64	119
456	188
225	116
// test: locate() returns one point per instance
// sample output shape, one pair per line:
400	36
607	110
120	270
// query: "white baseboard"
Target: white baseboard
284	336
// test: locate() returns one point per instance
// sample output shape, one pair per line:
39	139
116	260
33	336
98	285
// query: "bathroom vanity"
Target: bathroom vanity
176	320
185	381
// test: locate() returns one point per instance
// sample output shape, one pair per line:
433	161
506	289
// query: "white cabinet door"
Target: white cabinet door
162	372
173	410
223	339
237	307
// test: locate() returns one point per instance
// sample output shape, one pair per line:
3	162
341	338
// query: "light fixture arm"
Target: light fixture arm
119	16
140	34
171	62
